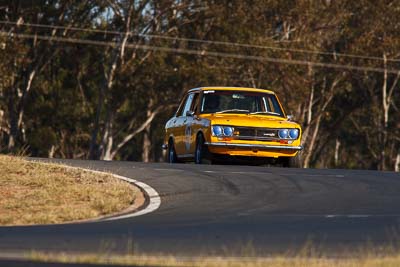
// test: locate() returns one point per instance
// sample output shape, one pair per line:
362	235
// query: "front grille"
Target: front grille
252	133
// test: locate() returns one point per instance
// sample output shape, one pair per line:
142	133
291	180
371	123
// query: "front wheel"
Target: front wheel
171	154
289	162
201	155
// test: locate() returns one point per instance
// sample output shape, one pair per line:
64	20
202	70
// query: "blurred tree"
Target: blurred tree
99	78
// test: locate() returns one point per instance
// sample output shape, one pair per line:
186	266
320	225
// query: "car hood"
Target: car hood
250	120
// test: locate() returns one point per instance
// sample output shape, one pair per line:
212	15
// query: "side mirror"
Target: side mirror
189	113
290	117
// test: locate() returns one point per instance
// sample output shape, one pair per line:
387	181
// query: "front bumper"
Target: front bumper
254	146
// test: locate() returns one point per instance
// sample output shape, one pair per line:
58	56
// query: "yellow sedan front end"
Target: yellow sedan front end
253	135
231	121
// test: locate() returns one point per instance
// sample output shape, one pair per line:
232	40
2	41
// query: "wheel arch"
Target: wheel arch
171	138
200	132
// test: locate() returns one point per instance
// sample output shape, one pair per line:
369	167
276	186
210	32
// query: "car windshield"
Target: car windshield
240	102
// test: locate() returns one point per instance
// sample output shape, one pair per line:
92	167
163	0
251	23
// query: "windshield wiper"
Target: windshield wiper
234	110
265	112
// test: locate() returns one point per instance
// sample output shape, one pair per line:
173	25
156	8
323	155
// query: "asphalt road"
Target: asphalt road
233	210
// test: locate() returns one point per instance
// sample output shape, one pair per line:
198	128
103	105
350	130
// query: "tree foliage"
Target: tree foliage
99	78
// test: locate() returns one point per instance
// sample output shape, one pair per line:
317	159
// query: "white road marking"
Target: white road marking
328	216
262	173
154	197
317	175
171	170
348	216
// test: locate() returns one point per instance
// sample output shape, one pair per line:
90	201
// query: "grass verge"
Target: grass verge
43	193
367	260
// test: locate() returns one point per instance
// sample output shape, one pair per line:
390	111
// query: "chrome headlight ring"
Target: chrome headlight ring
217	130
294	134
228	131
291	134
220	131
283	133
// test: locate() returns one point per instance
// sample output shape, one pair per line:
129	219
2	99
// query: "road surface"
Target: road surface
233	210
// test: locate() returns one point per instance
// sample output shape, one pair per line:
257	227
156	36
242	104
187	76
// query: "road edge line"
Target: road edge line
154	199
151	196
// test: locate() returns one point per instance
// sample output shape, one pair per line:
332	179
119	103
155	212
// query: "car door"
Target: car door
174	124
181	127
192	126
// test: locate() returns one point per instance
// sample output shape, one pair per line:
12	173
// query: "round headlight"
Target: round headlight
294	133
283	133
217	130
228	131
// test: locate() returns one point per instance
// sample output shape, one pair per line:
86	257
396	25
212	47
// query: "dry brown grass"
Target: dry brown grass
367	260
309	255
42	193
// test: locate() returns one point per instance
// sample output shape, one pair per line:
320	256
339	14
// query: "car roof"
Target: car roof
231	89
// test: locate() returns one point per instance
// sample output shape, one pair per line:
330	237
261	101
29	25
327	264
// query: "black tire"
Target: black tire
201	154
286	162
289	162
171	154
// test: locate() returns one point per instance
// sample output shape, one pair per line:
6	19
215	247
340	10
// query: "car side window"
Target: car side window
188	104
272	105
195	102
181	106
267	105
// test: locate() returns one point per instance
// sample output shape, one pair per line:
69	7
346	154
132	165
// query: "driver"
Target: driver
211	103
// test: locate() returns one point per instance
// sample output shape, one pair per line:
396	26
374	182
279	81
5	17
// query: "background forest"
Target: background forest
97	79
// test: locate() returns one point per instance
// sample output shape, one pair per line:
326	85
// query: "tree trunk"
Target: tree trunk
93	148
52	150
3	130
309	114
108	138
326	98
146	144
385	106
386	103
337	147
150	117
105	148
19	97
97	151
22	102
146	148
310	149
13	120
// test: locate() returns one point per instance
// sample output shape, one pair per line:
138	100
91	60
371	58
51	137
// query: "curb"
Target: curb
152	203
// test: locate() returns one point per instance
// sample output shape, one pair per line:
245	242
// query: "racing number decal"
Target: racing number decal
188	136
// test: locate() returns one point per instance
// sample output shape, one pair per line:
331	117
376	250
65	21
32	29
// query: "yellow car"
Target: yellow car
225	122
